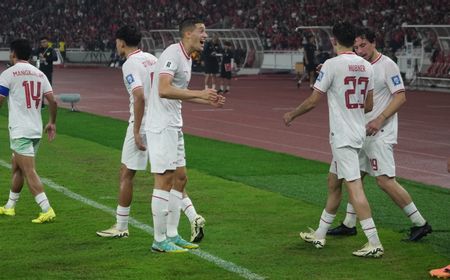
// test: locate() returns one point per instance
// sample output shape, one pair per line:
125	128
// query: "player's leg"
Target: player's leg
24	152
162	148
383	165
348	168
206	78
16	187
132	159
227	82
317	237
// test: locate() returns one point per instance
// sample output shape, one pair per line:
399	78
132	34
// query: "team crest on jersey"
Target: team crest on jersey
130	79
396	80
320	76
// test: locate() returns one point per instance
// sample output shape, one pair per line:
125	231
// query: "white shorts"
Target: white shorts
166	150
345	163
132	157
376	158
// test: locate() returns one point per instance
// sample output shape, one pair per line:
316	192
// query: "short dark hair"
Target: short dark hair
22	48
130	34
344	33
43	38
365	33
188	24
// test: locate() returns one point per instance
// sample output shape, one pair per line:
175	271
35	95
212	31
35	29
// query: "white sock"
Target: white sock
221	87
213	86
13	198
173	218
188	209
370	231
160	203
42	200
414	214
122	214
350	217
325	222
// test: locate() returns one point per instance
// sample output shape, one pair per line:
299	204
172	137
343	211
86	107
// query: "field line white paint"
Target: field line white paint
232	267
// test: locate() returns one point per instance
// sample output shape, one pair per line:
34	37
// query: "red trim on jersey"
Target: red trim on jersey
135	88
184	51
346	52
320	90
48	92
134	52
376	59
398	91
165	73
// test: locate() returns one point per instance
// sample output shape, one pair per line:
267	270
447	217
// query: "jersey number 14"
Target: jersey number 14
31	94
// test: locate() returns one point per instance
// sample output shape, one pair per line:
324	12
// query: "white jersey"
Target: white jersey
164	113
137	71
387	82
25	86
346	79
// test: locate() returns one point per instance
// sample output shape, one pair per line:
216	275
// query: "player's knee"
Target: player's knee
385	182
182	179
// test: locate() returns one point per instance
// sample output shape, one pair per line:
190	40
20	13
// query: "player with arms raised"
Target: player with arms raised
165	137
347	79
24	85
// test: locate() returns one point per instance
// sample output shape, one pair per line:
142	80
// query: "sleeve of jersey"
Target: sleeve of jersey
47	88
393	78
324	78
168	66
131	76
371	84
4	88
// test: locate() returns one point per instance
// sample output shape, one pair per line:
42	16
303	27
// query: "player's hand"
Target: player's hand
50	129
209	95
373	127
288	118
219	102
139	143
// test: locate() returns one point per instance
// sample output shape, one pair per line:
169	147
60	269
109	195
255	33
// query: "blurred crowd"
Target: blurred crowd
91	24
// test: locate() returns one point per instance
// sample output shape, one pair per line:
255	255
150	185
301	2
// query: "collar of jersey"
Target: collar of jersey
377	59
346	52
184	51
134	52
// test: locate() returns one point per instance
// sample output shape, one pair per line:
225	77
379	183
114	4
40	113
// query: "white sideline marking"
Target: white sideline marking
241	271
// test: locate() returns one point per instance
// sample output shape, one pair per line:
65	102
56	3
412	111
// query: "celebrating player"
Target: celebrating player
377	155
165	137
136	75
24	85
348	81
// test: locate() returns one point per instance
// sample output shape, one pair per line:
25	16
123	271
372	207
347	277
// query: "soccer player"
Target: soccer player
377	155
348	81
136	71
165	137
25	86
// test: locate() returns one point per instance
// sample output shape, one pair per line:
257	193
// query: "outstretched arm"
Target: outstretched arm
167	90
306	106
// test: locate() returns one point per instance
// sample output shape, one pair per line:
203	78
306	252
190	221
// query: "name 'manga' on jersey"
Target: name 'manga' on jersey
346	79
163	112
137	73
25	86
